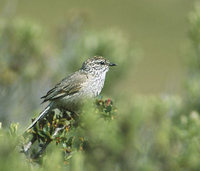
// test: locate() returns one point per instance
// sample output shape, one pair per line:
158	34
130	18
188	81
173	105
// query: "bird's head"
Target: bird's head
97	64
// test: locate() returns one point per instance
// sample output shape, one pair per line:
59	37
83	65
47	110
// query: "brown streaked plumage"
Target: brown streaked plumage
69	93
68	86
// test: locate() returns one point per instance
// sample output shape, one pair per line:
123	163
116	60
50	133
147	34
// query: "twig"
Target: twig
26	147
42	149
48	142
57	130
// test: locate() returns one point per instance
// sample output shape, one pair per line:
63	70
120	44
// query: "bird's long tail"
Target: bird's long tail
42	114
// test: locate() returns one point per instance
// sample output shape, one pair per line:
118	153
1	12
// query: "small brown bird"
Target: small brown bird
69	93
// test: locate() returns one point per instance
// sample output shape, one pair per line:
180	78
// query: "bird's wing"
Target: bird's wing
68	86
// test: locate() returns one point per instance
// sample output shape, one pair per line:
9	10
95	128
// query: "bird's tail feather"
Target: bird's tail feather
42	114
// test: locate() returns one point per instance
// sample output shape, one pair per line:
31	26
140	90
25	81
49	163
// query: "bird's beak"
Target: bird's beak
112	64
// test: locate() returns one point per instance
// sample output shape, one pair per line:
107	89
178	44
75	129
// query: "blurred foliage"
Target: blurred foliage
78	43
111	44
21	54
22	64
10	158
27	62
192	93
67	129
144	136
140	133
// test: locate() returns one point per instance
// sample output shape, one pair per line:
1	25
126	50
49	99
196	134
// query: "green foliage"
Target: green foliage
140	133
77	44
194	30
109	43
22	63
192	93
21	55
64	128
10	158
146	133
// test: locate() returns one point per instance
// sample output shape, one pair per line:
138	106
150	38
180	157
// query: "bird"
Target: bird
71	91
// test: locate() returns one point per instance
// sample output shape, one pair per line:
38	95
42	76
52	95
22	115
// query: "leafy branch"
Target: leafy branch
61	127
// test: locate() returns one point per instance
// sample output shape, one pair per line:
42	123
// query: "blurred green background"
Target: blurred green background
155	87
158	27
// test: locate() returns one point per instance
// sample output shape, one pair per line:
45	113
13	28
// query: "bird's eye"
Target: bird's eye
102	63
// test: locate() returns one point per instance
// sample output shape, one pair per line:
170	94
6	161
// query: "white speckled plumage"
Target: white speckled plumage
91	87
72	90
